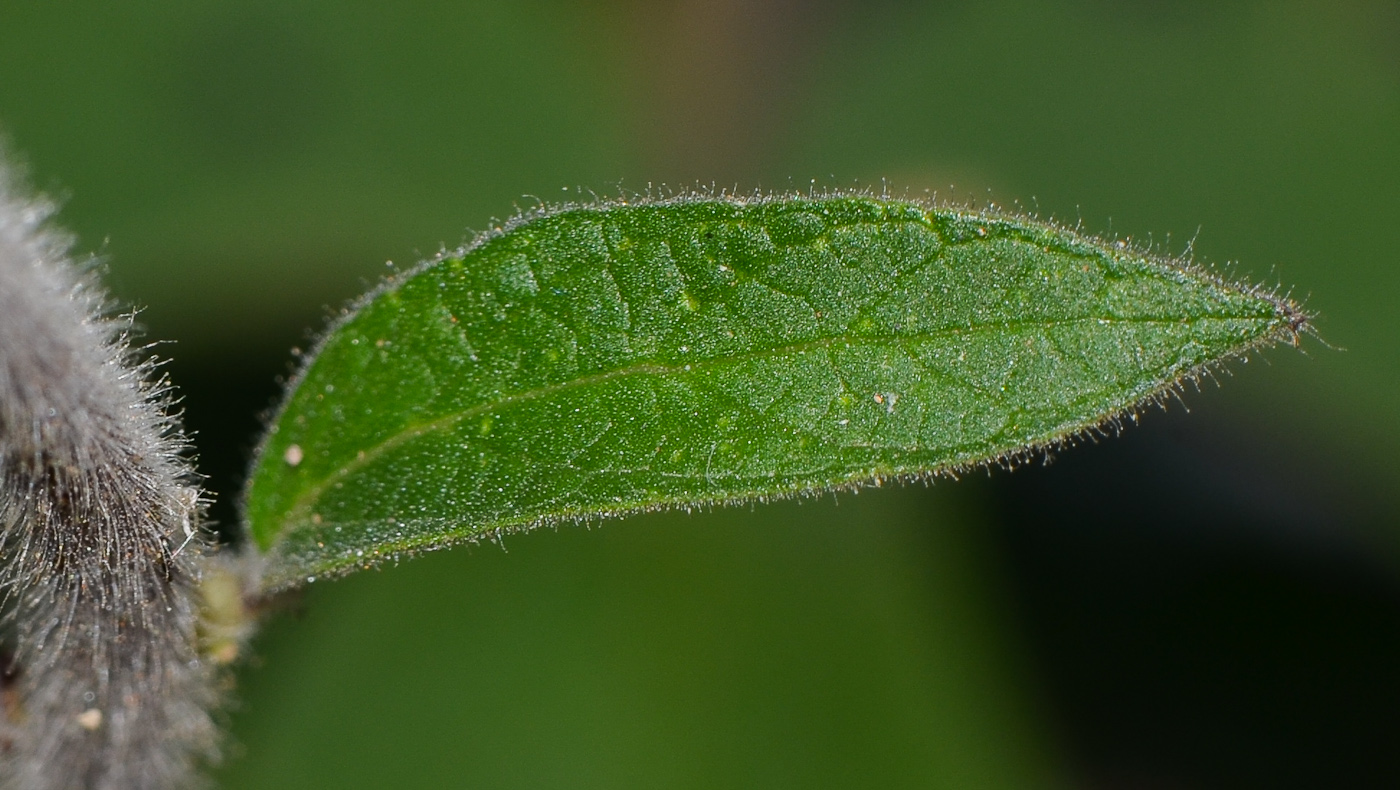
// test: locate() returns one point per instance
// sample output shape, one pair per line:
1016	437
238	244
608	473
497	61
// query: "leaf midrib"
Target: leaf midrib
366	457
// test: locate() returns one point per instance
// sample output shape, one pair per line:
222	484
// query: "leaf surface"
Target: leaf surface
594	361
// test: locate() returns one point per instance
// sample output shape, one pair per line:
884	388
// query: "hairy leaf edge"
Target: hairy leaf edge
1292	321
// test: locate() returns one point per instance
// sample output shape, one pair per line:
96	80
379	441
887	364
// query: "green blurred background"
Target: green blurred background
1210	600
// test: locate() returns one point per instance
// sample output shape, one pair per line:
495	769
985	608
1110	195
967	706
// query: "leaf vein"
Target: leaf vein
313	494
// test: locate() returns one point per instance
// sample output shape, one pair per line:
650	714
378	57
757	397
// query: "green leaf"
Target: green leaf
594	361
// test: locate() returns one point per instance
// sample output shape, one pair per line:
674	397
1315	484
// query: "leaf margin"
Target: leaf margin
1292	321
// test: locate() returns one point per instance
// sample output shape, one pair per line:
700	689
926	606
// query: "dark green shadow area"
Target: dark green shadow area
799	645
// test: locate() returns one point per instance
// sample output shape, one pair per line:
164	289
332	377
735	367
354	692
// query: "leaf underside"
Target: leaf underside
592	361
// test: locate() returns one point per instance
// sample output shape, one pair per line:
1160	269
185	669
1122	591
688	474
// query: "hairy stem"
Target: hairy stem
99	550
